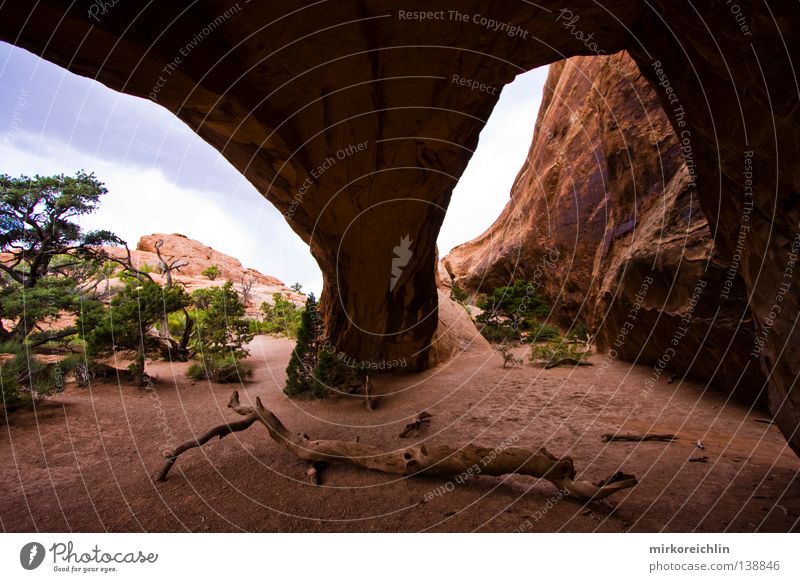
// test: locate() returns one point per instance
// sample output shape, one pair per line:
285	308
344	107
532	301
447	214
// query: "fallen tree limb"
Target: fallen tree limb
415	459
369	400
220	431
637	438
413	428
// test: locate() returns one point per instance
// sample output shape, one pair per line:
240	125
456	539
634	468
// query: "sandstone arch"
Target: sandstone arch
241	75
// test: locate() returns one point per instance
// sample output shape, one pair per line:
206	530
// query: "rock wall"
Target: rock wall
605	220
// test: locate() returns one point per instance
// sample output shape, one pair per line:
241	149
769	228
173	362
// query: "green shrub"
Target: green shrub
282	317
332	374
506	352
11	347
518	302
25	379
176	323
509	310
222	369
221	332
553	352
211	272
315	370
220	325
497	332
125	324
457	294
540	332
579	332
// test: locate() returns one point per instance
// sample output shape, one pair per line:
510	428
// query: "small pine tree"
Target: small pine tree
303	362
221	335
282	317
126	323
331	373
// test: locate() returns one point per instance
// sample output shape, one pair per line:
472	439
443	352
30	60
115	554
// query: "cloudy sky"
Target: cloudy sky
161	177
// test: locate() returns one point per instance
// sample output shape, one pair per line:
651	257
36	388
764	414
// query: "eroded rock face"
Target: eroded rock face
281	88
195	257
604	218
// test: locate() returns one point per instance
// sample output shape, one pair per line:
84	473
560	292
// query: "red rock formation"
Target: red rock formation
604	218
198	257
195	256
286	91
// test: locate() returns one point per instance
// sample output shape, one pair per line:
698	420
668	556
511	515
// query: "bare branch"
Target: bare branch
414	459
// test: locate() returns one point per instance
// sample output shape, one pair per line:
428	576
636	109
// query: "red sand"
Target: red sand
84	460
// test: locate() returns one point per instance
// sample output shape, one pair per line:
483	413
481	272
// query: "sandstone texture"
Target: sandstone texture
345	116
195	256
605	220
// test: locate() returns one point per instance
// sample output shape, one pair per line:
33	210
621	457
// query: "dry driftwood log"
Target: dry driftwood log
637	438
413	428
418	458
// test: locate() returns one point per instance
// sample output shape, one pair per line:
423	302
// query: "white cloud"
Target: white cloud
484	187
143	201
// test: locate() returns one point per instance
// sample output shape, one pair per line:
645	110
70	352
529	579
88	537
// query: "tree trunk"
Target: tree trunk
137	370
183	347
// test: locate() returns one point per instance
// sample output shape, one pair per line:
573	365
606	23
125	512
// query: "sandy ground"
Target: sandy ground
84	460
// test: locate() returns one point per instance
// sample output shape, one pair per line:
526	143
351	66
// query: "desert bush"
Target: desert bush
281	318
496	331
125	324
507	353
223	369
176	323
332	373
212	272
510	310
579	332
553	352
540	332
256	327
221	332
518	302
24	379
315	371
457	294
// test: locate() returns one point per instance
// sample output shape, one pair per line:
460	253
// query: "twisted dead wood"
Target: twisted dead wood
639	438
414	459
